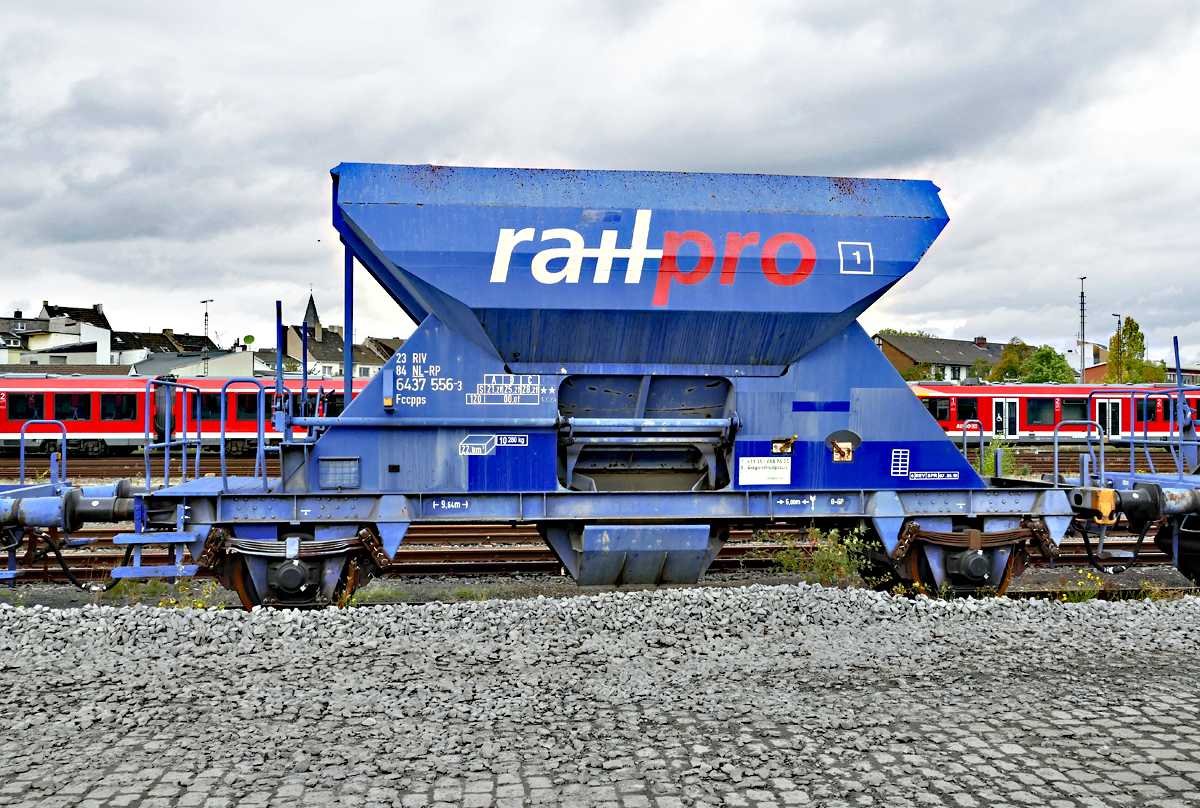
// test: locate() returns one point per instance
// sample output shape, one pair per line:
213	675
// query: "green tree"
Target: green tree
920	372
980	369
898	333
1012	362
1127	357
1047	365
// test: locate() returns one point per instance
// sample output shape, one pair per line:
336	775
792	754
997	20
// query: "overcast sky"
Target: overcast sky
156	154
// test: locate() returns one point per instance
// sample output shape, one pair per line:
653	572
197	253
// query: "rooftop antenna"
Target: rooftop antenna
1120	346
1082	330
204	352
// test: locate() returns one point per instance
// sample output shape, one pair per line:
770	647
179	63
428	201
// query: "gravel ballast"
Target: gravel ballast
756	695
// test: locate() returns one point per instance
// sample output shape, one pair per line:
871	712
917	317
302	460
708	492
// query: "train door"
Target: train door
1108	415
1005	425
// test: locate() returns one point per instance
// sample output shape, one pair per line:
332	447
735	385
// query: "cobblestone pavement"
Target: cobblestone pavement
764	697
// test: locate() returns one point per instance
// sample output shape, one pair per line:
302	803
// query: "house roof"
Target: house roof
132	340
92	315
937	351
327	349
386	346
365	356
160	364
64	370
161	342
193	342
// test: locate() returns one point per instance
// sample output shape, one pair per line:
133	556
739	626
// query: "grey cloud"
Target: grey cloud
167	144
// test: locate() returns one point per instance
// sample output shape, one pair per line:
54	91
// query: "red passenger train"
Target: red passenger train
1028	413
104	414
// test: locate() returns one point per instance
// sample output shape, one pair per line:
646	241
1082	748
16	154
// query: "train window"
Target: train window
1145	410
968	409
335	405
1074	409
73	406
939	408
25	406
247	406
1040	411
118	407
210	406
309	410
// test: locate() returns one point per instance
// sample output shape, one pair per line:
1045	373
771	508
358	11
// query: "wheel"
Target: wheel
1188	562
925	581
354	576
295	584
1189	566
244	586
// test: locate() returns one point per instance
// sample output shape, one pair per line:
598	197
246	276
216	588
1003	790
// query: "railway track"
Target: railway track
490	549
1041	460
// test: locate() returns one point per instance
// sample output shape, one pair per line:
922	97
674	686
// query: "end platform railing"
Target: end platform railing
260	458
189	395
58	471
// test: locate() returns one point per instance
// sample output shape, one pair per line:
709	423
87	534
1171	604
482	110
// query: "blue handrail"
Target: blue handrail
1088	438
964	440
1179	409
62	471
260	459
189	391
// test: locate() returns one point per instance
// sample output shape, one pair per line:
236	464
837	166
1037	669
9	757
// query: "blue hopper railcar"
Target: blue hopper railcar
632	361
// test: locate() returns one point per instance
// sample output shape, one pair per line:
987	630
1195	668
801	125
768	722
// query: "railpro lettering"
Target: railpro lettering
638	252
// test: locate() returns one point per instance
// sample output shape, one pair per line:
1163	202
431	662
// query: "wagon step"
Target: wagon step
167	571
177	538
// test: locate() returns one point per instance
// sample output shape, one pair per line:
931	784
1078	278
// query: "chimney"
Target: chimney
17	314
169	331
981	342
317	331
99	307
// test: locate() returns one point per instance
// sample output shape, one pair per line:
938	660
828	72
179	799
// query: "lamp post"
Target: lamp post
1120	350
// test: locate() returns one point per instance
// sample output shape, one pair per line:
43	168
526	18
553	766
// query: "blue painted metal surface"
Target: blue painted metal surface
31	511
634	554
546	267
